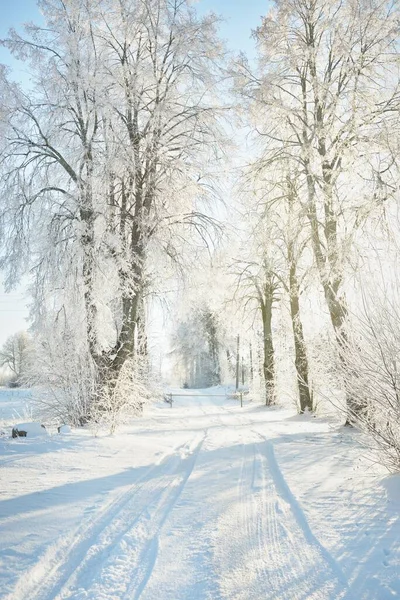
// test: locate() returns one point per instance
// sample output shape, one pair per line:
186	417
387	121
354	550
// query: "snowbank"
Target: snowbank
29	430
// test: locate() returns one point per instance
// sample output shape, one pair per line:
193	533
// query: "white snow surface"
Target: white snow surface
203	500
15	406
31	429
65	429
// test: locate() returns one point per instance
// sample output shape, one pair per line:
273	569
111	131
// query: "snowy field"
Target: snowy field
14	406
203	500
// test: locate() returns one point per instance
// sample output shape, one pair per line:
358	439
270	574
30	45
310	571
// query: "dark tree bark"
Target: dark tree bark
301	360
268	347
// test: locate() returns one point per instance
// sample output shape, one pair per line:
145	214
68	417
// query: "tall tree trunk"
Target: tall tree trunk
251	363
88	241
141	331
131	281
88	268
269	357
327	265
237	362
126	342
301	361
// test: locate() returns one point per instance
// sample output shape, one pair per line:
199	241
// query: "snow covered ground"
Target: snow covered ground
15	405
203	500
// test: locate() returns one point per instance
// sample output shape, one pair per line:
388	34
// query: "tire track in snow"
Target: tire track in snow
238	555
123	565
259	521
266	547
302	540
186	567
286	493
148	556
65	559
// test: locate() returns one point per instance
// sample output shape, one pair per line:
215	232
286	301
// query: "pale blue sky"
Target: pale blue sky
241	16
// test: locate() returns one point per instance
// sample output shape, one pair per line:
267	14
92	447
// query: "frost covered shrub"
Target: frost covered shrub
67	388
372	376
123	397
64	381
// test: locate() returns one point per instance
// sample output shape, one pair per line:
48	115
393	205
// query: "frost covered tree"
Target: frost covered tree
291	241
257	289
196	348
277	238
327	80
107	154
16	354
371	371
210	326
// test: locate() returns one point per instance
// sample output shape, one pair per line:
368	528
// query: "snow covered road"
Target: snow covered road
203	500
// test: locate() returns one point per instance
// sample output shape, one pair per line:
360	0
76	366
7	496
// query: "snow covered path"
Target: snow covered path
203	500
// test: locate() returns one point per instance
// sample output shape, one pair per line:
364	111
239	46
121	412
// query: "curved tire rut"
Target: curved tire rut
78	557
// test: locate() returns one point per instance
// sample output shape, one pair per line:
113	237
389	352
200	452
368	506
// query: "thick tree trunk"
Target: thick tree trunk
327	264
301	361
112	363
125	347
141	333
